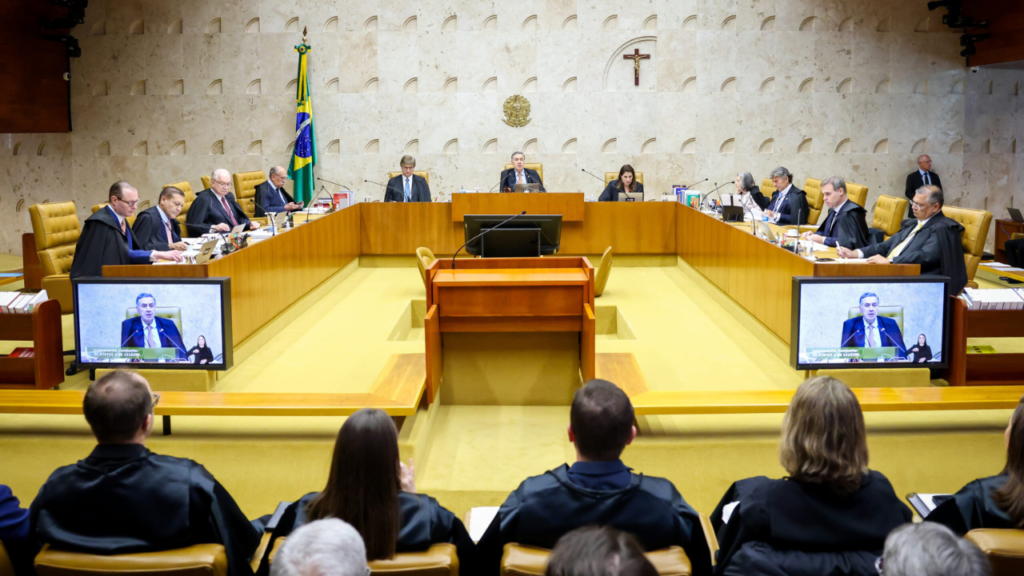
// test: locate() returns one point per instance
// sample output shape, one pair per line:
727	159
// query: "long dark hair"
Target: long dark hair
1011	496
626	168
363	485
919	336
204	342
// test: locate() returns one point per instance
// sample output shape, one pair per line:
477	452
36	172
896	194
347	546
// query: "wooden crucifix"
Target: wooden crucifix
636	57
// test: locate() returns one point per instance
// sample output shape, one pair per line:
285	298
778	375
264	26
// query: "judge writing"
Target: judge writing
147	330
846	224
218	211
271	196
157	228
519	174
869	330
789	203
107	240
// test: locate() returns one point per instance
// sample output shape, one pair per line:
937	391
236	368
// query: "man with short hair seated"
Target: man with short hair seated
124	499
328	547
157	228
218	211
845	224
929	549
597	489
271	197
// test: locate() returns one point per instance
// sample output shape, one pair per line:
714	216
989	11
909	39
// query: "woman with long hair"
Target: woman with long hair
201	353
830	512
625	183
369	488
996	501
922	352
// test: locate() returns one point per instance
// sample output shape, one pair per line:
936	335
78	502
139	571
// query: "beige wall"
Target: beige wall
170	89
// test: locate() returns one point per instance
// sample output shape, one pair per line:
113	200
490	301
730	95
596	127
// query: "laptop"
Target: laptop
766	230
278	220
206	251
238	229
631	197
1015	214
532	187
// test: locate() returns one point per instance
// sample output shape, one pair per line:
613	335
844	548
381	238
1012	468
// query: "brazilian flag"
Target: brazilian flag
304	155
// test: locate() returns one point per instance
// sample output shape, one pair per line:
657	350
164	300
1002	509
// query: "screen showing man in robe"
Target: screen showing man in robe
172	324
863	322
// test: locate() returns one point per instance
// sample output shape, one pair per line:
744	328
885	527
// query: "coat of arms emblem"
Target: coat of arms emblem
517	111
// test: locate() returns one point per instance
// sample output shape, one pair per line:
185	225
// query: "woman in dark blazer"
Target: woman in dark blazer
745	185
993	502
201	352
922	352
626	182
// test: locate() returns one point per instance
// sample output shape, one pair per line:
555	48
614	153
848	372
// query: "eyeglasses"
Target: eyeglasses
132	204
156	400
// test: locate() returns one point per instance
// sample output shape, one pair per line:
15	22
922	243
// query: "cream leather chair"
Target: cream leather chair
56	229
609	176
538	167
423	173
130	219
976	224
190	197
603	271
1003	548
888	215
424	258
815	199
245	190
520	560
438	560
858	193
198	560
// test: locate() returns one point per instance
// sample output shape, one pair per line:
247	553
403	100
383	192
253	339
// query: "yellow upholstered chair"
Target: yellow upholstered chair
170	313
198	560
609	176
438	560
888	214
604	269
520	560
767	187
1016	236
815	199
6	568
1003	548
423	173
190	197
56	229
424	258
245	190
976	224
858	193
207	182
130	219
894	312
538	167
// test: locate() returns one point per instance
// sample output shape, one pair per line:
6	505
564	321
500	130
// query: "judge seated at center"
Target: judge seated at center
407	187
788	205
869	330
846	224
519	174
625	183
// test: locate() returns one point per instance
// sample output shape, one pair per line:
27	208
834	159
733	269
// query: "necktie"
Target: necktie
831	224
902	245
871	336
927	179
170	236
224	202
519	177
123	228
149	336
408	196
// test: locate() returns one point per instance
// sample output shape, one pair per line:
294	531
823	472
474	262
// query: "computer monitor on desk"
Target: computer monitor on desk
527	235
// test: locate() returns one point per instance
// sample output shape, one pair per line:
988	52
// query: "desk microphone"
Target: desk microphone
335	183
592	174
175	344
495	186
709	193
387	189
697	182
130	336
482	233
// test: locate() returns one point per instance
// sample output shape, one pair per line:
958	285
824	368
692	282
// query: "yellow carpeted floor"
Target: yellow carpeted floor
682	336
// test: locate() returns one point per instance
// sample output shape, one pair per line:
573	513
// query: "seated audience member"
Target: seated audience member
272	197
14	527
830	515
928	549
157	228
993	502
626	182
930	239
219	211
519	174
745	185
124	499
107	240
371	490
597	489
408	187
598	551
789	203
846	224
328	547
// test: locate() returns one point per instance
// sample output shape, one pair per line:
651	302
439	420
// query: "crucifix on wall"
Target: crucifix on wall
636	57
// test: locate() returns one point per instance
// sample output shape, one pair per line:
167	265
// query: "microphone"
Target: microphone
173	342
697	182
482	233
387	189
592	174
130	336
881	330
335	183
709	193
495	186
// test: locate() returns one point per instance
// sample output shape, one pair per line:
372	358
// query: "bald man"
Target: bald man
216	208
271	195
923	176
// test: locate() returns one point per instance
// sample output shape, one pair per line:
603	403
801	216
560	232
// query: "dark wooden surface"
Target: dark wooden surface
31	267
43	329
34	96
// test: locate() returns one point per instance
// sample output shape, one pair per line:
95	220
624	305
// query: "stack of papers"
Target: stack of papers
18	303
999	266
1000	299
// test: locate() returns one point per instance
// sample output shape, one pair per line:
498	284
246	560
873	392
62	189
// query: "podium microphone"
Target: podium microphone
386	189
705	197
335	183
695	183
482	233
592	174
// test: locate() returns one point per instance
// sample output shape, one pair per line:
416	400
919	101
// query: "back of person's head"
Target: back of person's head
327	547
363	485
1010	497
823	437
602	420
598	551
930	549
116	406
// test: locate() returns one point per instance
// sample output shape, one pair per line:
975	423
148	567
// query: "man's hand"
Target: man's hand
293	206
222	228
814	237
407	477
173	255
179	246
769	213
254	225
878	259
846	252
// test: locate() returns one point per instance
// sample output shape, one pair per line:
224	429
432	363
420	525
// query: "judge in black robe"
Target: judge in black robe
760	199
972	507
124	499
545	507
103	244
846	227
791	206
786	527
151	232
207	211
424	523
611	192
937	247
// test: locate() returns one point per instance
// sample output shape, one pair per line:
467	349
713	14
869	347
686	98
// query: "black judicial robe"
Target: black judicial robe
102	244
937	248
972	507
124	499
794	208
424	523
545	507
206	211
611	192
785	527
150	232
850	229
760	199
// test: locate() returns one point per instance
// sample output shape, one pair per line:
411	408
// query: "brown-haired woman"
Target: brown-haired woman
830	515
625	183
996	501
369	488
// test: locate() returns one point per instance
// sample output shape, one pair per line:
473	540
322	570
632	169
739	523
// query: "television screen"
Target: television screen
864	322
182	323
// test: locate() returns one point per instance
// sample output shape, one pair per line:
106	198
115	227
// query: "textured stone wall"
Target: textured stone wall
168	90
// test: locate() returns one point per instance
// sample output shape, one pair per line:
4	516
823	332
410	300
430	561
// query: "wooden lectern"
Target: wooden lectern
533	297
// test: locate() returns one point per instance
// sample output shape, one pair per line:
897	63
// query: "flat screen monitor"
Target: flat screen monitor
527	235
163	323
869	322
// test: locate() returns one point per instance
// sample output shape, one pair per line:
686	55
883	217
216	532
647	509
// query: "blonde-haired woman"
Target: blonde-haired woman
830	515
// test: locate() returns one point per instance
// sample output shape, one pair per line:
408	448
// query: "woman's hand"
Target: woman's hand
203	361
407	477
